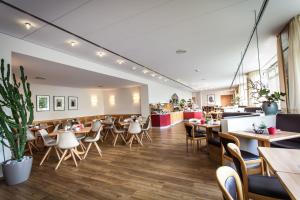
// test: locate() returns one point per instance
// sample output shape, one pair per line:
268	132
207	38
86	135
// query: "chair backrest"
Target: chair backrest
230	183
240	165
67	140
134	127
30	135
189	128
56	127
44	134
147	124
98	135
226	138
96	125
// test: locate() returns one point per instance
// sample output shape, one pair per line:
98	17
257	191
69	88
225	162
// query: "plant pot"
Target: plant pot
16	172
270	108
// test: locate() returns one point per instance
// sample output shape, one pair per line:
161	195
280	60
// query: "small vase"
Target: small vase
270	108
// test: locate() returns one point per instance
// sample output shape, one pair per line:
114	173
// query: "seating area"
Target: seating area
149	100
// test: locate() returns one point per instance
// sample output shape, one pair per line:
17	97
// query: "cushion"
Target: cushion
247	155
215	141
230	186
288	122
267	186
199	134
288	144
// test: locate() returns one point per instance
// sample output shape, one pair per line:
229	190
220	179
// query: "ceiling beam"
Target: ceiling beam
260	14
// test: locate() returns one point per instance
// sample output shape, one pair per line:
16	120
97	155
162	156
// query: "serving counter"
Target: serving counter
166	120
193	114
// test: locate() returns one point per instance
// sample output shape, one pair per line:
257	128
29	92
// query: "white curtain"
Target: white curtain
294	65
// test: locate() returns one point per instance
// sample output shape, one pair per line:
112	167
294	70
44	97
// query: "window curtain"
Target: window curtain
294	65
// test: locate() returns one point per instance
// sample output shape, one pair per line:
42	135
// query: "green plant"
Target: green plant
262	94
236	100
16	110
182	103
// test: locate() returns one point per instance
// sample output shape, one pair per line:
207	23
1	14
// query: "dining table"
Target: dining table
264	140
84	130
285	163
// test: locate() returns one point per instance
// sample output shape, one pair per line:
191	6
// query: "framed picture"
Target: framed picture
211	99
42	103
73	103
58	103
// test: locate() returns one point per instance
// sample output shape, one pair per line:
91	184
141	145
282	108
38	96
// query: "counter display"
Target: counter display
190	115
166	120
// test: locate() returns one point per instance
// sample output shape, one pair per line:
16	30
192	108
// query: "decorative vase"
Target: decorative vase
16	172
270	108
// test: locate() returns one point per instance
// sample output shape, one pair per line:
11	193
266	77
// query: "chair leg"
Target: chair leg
98	148
61	159
187	145
122	136
56	151
139	140
142	136
115	140
87	150
76	154
29	147
33	145
148	136
72	153
130	141
46	155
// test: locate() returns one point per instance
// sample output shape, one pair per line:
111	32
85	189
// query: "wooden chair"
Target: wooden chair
230	183
256	186
193	136
249	158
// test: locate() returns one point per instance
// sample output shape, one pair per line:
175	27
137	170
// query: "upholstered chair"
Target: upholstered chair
193	136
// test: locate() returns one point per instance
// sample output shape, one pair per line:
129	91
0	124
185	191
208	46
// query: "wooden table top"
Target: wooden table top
208	125
81	131
281	160
40	128
280	135
290	182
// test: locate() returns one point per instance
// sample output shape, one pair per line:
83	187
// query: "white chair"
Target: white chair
108	127
93	140
56	127
118	133
48	142
145	129
134	129
30	141
67	142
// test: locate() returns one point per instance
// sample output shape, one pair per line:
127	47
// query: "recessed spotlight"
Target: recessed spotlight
160	77
40	78
73	43
100	86
197	70
145	71
166	80
153	75
101	54
180	51
27	25
133	68
120	62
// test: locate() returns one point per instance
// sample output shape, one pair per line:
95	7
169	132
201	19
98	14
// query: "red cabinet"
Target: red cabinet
161	120
190	115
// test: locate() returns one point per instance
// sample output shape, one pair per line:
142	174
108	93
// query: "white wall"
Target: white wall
122	101
85	105
201	97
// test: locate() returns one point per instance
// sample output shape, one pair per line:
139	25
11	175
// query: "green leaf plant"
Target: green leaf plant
16	111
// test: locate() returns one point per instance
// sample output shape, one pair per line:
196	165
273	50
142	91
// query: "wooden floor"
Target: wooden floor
161	170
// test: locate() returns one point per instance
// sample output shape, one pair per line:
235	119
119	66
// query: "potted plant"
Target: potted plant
16	112
263	95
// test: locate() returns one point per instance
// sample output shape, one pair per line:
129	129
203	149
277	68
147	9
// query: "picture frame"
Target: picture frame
58	103
72	103
42	103
211	99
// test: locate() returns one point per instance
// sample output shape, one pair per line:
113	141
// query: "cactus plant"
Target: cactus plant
16	110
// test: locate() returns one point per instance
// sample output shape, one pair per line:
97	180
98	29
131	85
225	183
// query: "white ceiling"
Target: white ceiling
150	31
64	75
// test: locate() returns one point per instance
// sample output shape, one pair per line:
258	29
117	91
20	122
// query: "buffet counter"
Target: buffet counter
166	120
193	114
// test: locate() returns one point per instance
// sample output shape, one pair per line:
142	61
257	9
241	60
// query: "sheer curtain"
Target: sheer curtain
294	65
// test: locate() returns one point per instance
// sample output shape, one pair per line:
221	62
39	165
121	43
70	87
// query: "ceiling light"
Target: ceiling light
101	54
27	25
160	77
40	78
166	80
100	86
120	62
145	71
180	51
73	43
197	70
133	68
153	75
